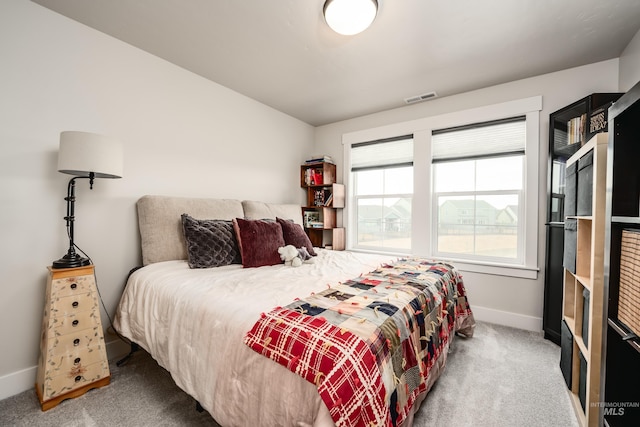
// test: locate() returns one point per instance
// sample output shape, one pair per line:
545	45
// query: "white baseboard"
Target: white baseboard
506	318
17	382
25	379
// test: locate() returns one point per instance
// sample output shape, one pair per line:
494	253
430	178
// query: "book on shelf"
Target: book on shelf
313	176
320	158
575	129
322	197
329	200
318	198
598	120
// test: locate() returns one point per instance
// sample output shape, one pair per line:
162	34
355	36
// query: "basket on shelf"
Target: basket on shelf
629	295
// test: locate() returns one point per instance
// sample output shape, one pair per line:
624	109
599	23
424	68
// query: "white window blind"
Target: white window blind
502	137
383	153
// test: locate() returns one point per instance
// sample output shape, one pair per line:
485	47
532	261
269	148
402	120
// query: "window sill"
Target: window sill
520	272
495	269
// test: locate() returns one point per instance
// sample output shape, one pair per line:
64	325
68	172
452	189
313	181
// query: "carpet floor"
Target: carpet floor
500	377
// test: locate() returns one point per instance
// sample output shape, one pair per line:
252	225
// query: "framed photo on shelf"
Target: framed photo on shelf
312	219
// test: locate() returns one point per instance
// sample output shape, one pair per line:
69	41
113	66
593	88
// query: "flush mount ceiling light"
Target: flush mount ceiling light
349	17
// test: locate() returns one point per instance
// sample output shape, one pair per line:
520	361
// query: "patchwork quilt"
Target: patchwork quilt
372	344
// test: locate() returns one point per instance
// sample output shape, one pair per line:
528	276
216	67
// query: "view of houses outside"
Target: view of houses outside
476	226
384	208
477	200
385	223
466	226
478	203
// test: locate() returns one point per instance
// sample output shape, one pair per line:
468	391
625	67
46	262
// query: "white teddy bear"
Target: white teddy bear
294	257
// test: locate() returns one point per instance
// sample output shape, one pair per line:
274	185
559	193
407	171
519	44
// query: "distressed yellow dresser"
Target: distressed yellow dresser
73	357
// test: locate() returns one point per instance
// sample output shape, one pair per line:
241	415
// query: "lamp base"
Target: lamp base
71	261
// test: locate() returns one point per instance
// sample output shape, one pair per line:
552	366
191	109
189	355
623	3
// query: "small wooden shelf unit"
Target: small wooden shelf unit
324	197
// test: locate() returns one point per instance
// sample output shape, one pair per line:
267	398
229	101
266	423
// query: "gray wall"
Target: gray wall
630	64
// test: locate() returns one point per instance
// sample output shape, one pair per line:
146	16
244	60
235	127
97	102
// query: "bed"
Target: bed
229	334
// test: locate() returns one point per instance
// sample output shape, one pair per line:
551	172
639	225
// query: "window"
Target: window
470	189
382	177
478	191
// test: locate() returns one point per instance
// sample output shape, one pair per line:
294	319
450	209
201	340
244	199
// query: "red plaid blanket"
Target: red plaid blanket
369	344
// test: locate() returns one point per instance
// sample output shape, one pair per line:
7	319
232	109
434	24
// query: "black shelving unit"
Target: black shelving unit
566	136
622	350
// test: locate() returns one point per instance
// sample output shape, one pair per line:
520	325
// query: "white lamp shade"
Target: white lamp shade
82	153
349	17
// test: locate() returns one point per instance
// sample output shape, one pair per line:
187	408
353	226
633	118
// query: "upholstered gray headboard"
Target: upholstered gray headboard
161	237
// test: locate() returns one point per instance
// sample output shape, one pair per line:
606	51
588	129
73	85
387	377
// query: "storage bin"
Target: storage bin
582	382
570	240
629	294
566	352
585	185
570	189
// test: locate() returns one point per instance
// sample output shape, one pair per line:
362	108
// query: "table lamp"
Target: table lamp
85	155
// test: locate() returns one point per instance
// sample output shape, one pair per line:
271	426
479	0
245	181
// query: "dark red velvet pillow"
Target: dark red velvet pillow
294	235
258	241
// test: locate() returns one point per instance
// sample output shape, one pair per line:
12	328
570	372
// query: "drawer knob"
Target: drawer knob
78	378
74	285
76	342
76	360
75	304
75	323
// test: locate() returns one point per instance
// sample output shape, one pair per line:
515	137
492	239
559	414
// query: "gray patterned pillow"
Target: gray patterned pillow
210	242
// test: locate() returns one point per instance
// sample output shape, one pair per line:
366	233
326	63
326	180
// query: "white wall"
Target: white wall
512	301
630	64
182	134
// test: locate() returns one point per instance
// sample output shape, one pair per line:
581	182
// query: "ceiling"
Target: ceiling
281	53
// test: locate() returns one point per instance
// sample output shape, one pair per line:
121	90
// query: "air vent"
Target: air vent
420	98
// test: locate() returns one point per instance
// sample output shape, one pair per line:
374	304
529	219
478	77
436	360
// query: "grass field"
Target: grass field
493	245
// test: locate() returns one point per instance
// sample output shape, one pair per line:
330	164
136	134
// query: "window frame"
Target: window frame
519	193
354	225
422	213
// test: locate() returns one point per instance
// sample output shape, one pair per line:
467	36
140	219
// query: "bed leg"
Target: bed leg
199	407
134	347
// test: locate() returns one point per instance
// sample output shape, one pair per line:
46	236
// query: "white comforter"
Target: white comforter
192	321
